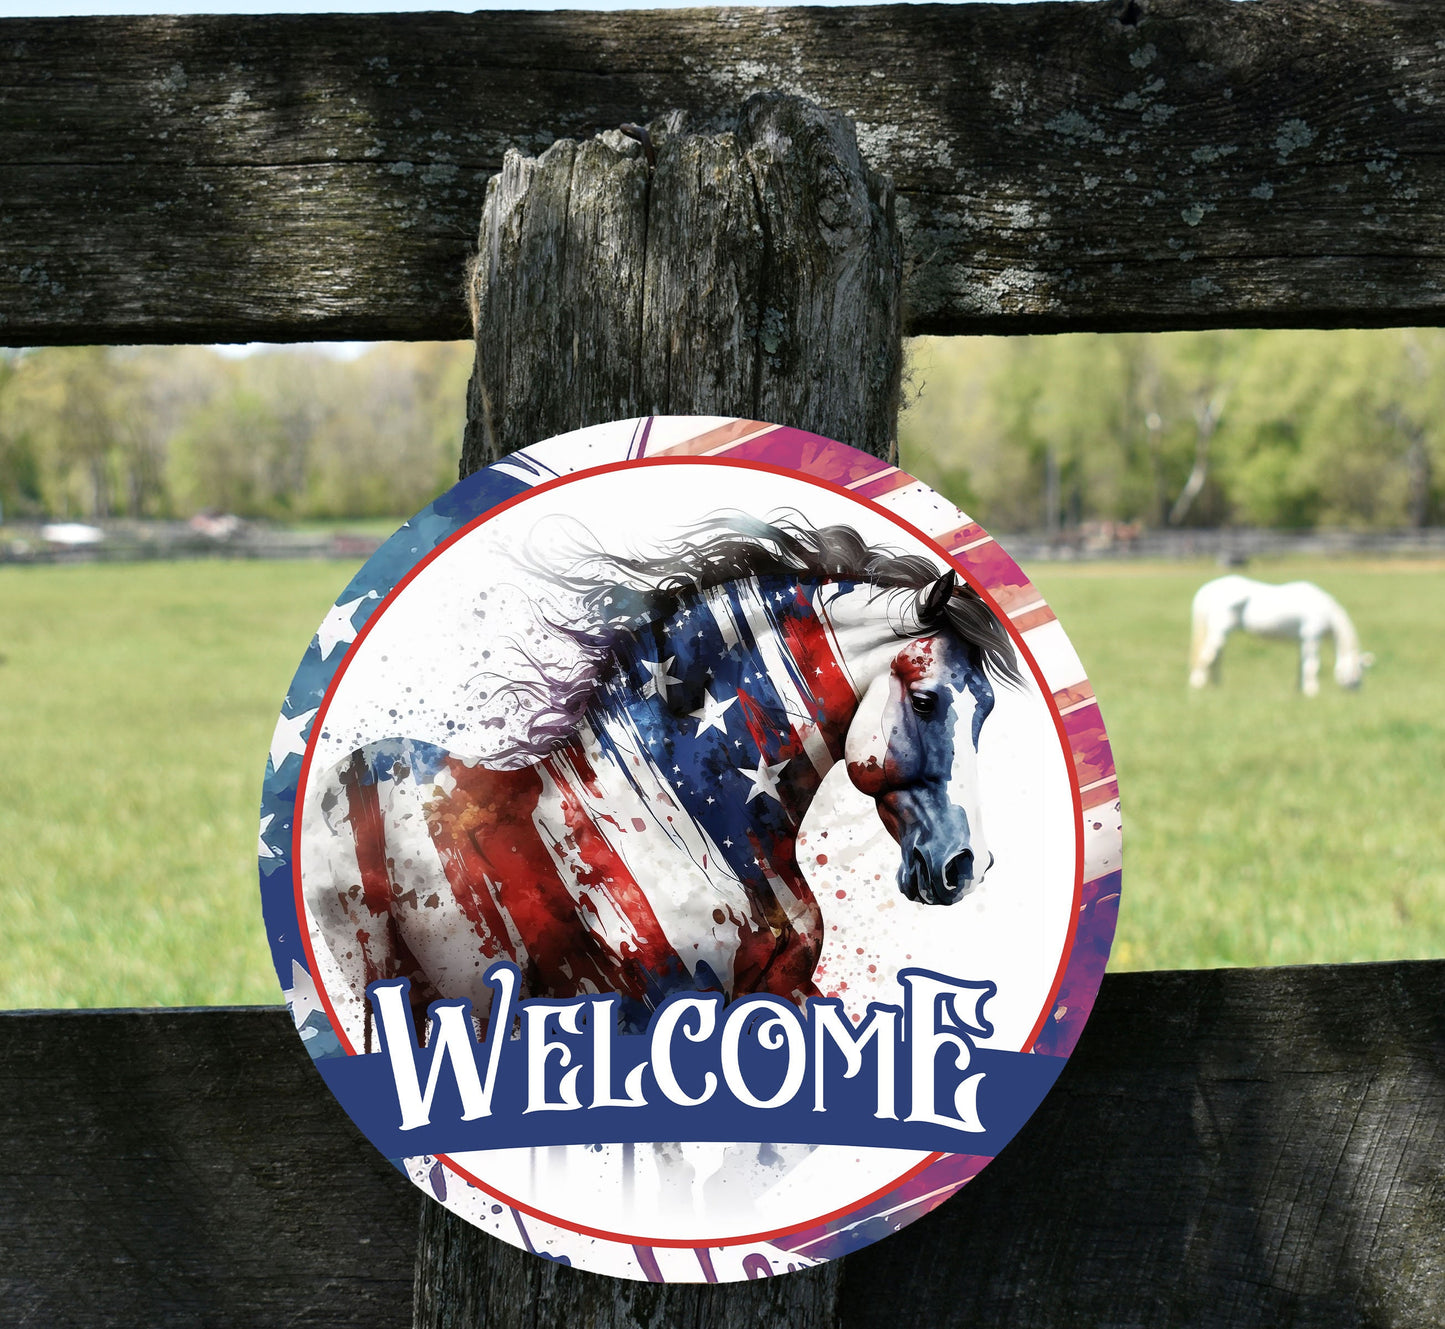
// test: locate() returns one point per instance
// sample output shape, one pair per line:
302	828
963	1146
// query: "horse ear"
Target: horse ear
935	600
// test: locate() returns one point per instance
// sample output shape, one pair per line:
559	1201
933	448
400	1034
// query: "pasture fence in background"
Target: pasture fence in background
1251	1147
1231	546
167	541
130	541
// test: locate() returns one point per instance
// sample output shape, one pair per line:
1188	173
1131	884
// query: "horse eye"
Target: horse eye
924	703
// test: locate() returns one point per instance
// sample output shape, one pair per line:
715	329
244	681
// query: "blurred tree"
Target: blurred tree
175	381
1263	428
21	493
233	454
1339	428
66	416
1198	428
392	439
285	433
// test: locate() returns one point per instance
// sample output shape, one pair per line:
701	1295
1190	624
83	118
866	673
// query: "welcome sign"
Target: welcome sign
690	848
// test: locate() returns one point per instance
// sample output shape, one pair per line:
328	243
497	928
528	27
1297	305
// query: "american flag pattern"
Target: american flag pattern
652	852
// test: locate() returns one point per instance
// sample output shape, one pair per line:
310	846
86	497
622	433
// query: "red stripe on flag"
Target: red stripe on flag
829	686
956	539
884	484
1073	695
363	806
603	869
996	570
1093	758
1034	618
713	439
816	456
481	802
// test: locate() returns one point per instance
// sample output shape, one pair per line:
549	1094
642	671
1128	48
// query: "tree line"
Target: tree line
1245	427
1293	429
291	433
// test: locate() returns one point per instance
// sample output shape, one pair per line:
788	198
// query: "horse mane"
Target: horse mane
620	593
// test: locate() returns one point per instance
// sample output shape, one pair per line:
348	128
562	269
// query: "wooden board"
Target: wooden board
1226	1148
168	1168
1232	1148
1128	164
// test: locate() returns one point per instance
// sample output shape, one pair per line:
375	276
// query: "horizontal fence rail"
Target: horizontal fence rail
1225	1147
1131	164
1246	1147
136	541
1233	546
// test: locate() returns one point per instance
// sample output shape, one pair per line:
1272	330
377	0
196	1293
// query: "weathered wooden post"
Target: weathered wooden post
756	273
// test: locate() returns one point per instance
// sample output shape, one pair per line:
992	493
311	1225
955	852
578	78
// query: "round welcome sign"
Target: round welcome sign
690	849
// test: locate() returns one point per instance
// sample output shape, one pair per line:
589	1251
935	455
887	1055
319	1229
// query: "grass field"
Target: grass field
136	708
1261	827
137	702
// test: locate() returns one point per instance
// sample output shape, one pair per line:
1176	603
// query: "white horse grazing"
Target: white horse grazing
1297	611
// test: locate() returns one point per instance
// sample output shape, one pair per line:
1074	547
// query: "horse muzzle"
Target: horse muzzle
922	879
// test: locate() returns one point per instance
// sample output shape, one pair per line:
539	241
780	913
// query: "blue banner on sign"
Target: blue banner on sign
559	1072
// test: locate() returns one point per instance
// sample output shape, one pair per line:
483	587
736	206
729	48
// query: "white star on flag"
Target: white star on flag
301	995
660	679
337	628
765	779
263	850
287	740
710	715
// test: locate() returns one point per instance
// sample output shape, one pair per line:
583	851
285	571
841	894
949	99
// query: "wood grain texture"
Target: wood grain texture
1227	1148
181	1168
466	1279
753	273
1127	164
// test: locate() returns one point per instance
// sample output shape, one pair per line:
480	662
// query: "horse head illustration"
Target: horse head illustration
913	748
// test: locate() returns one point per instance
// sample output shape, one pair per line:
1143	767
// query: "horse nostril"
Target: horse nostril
958	872
919	887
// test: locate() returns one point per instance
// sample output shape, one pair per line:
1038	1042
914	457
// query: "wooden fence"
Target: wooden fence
1232	1147
1225	1148
127	541
1123	165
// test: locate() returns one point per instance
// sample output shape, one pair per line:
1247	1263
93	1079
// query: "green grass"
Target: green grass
1261	827
136	707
